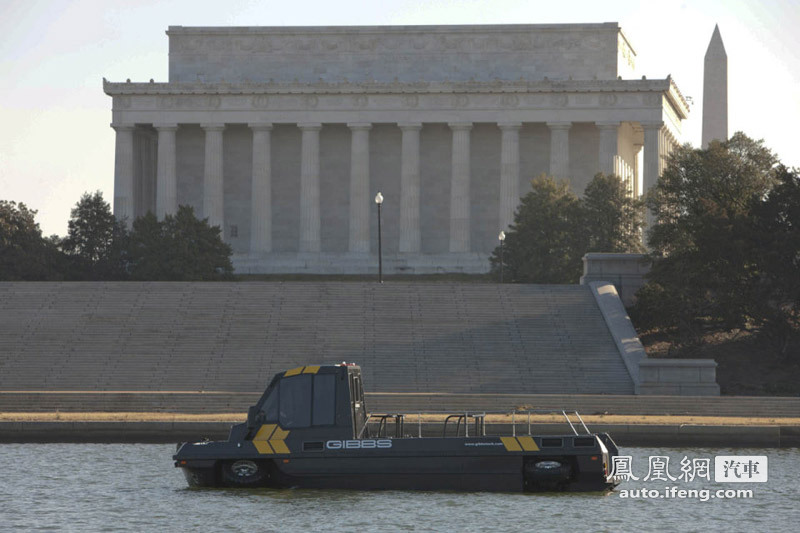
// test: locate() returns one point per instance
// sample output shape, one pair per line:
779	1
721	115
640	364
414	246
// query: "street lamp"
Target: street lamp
502	238
379	201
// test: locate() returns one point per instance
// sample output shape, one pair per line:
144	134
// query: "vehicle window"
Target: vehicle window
358	390
324	400
270	407
295	402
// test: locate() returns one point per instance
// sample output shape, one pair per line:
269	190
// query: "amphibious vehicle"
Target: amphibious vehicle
311	429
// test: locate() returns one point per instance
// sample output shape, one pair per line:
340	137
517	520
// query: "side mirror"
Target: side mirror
252	417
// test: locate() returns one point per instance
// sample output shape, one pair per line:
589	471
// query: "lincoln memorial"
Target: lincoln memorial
282	136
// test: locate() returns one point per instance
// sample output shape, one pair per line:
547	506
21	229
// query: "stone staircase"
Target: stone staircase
408	337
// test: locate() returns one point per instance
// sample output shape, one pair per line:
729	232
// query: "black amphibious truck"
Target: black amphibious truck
310	429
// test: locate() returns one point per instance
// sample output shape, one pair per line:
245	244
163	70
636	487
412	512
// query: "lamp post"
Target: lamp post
502	238
379	201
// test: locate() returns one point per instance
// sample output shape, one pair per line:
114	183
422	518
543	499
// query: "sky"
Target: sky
55	139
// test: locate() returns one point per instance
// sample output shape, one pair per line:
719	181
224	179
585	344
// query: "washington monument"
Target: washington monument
715	91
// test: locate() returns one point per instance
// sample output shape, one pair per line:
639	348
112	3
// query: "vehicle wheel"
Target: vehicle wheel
244	473
548	475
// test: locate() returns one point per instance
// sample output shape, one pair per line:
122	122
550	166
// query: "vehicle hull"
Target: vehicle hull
410	464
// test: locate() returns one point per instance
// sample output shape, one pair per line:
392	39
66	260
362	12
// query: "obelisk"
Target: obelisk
715	91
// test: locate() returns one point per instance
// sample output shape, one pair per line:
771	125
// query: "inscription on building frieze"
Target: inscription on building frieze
183	101
460	100
558	100
626	53
608	99
357	97
411	42
410	100
535	99
213	101
260	101
651	99
509	100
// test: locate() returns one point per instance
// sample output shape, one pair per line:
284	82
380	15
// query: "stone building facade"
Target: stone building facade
282	136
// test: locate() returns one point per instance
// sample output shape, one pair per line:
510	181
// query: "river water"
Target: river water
134	487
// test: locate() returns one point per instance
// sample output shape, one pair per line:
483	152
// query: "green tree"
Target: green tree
179	248
614	218
776	255
547	240
705	267
24	254
95	241
553	229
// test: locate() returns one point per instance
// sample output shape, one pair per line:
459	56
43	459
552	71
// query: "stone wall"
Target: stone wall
625	271
680	377
404	53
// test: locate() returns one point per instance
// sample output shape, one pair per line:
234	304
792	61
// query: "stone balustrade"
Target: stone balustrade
679	377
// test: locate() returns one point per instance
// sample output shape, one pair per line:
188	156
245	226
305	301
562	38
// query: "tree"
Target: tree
614	219
776	254
705	261
547	240
24	254
95	241
553	229
179	248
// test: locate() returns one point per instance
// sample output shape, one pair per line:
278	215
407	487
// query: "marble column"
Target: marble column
509	172
261	190
607	153
652	160
359	187
663	150
410	240
652	154
166	181
213	183
459	189
309	188
636	185
559	149
124	175
145	191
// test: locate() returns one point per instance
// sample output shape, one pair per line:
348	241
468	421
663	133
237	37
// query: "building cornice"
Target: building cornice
322	87
383	30
677	99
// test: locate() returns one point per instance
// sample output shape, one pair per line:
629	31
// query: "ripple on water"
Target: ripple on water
112	487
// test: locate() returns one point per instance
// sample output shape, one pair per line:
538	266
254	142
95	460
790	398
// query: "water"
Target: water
134	487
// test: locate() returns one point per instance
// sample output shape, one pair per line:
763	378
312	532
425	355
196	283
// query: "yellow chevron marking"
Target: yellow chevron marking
265	432
263	447
528	444
280	434
277	441
269	439
511	444
311	370
294	371
280	446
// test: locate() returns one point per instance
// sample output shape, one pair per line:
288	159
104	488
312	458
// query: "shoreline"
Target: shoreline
626	430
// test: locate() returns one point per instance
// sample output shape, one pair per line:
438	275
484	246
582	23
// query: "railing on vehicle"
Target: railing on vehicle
464	419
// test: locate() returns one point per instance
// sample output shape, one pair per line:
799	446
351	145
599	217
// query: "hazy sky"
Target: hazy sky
55	139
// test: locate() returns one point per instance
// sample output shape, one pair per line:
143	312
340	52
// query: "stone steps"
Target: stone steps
408	337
